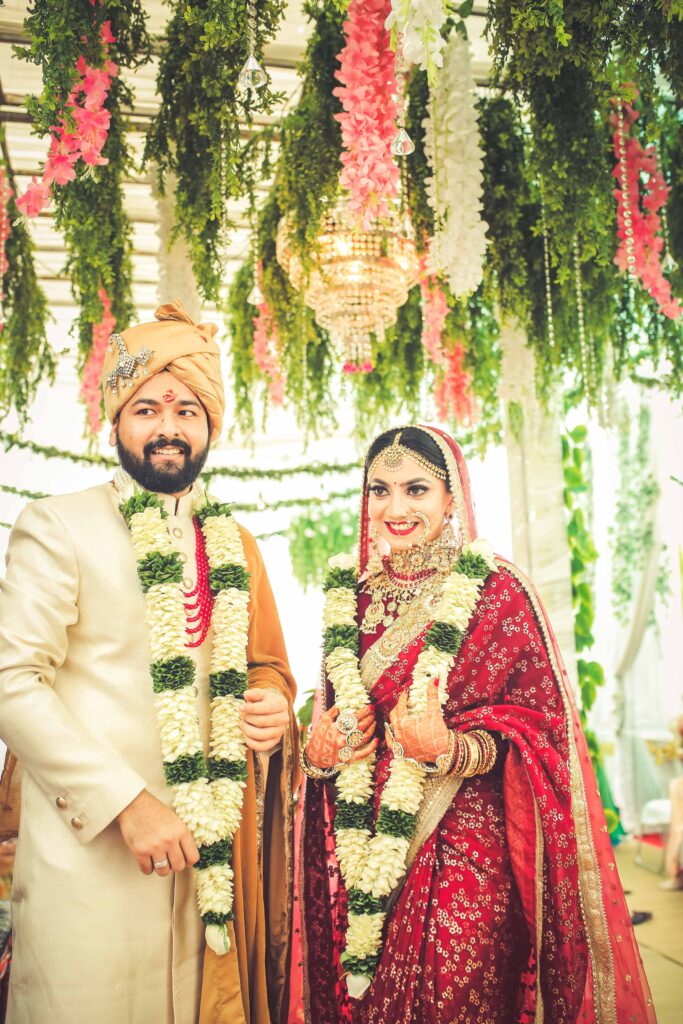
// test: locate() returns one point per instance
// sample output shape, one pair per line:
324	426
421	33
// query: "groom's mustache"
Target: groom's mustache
164	442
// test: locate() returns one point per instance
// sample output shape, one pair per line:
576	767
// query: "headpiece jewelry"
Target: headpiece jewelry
127	365
392	459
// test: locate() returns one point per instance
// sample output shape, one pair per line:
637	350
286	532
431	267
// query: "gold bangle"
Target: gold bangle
311	770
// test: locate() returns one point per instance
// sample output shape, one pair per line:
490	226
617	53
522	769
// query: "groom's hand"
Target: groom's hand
265	716
155	834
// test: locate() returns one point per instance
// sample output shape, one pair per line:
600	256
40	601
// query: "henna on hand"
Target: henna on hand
322	749
423	737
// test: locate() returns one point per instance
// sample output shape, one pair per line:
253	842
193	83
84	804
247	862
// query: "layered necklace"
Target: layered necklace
404	576
372	854
208	791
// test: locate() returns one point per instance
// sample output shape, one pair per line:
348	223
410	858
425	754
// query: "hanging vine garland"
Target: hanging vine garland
26	357
197	133
310	136
80	47
91	391
638	219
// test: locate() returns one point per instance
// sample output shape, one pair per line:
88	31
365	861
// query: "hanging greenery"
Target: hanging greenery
74	43
416	163
576	462
99	249
310	137
315	537
632	534
198	132
393	390
26	357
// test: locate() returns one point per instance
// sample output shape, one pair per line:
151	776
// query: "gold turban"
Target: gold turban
171	342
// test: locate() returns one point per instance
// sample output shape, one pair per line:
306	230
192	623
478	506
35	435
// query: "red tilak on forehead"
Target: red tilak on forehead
169	396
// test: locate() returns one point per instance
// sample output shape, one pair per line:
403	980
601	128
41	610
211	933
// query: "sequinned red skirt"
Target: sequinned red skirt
457	945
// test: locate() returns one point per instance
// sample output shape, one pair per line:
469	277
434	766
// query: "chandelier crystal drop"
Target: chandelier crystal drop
359	280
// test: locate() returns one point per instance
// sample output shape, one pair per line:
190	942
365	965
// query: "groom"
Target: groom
105	915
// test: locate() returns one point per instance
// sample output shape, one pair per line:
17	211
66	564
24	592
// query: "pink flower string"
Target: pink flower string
638	220
368	123
5	228
92	371
265	348
434	312
452	396
86	106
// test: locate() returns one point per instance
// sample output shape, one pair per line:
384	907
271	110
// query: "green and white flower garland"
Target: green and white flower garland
373	865
208	791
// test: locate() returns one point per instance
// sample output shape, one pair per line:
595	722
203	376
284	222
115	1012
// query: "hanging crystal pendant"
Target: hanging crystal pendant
255	296
402	145
251	77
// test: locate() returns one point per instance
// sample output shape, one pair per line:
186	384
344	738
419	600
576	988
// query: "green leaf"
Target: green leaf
465	9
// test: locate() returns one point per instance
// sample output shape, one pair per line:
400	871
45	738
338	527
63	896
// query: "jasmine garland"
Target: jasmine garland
372	865
208	791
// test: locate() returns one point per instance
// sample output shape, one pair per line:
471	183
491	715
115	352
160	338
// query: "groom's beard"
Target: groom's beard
162	478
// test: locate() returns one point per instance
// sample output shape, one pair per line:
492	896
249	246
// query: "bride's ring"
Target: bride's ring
345	754
347	722
354	739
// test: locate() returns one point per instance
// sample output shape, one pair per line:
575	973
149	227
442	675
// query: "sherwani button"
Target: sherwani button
77	823
187	583
182	556
62	802
177	532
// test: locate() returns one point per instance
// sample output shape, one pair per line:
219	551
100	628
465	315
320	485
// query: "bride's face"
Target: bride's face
396	496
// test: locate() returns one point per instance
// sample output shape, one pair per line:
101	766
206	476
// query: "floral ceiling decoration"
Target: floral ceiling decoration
551	194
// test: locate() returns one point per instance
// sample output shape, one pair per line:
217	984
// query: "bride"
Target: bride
456	865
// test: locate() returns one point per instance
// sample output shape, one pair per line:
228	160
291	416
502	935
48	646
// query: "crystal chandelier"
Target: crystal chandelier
359	280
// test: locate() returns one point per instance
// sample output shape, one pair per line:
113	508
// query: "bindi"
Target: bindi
169	396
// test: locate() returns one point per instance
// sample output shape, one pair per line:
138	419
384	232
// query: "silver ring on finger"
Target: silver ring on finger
345	754
354	739
159	865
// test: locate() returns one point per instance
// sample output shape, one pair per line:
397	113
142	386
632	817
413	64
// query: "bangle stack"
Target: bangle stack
312	771
476	754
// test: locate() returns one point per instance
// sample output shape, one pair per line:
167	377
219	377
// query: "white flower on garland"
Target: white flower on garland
454	189
420	23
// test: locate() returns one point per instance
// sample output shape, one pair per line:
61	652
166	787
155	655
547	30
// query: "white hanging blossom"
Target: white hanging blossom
420	23
454	189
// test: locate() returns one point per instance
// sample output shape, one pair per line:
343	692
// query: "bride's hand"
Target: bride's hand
322	749
423	737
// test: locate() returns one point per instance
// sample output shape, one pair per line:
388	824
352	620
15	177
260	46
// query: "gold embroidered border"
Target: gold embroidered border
540	1014
590	882
406	627
438	796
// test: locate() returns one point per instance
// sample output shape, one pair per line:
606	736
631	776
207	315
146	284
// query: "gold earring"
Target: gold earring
375	564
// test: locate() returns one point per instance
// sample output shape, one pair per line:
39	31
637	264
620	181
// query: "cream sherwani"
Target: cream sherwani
95	940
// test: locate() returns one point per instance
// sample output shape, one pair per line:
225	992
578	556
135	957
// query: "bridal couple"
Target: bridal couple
454	862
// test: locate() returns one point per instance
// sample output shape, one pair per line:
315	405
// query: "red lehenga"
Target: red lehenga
512	910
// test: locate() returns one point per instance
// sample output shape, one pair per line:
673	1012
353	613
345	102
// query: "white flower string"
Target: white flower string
455	187
208	791
419	22
372	865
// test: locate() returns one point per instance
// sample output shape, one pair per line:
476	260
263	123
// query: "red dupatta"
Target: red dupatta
509	679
